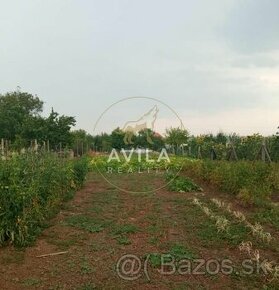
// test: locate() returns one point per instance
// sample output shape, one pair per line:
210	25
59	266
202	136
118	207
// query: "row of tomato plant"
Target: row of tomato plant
250	181
32	189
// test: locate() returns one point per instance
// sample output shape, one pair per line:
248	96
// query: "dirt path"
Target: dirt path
101	225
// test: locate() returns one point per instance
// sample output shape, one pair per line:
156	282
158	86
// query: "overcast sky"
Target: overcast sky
216	63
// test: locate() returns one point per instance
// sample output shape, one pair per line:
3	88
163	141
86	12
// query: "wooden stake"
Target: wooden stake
52	254
232	156
213	154
199	153
2	147
264	154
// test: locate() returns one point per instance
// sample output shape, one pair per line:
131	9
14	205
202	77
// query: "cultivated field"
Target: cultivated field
208	229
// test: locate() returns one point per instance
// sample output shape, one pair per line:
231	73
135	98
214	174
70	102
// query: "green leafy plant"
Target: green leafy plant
181	184
32	189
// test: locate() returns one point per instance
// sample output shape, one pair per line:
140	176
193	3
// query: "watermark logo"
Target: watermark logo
145	123
131	267
135	146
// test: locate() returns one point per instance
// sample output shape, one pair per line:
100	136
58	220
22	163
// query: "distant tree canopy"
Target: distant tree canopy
16	109
106	142
176	136
81	141
21	121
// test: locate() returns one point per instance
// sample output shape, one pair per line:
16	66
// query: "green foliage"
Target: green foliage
274	147
252	180
87	223
176	136
106	142
121	231
141	140
124	229
80	168
235	235
246	147
123	240
155	259
32	188
246	196
269	215
57	129
117	139
15	109
177	252
81	141
207	143
21	122
181	184
101	162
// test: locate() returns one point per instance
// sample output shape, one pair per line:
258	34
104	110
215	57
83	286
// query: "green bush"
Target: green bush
32	187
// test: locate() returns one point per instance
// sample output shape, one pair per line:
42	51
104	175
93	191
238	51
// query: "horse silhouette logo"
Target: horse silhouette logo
144	123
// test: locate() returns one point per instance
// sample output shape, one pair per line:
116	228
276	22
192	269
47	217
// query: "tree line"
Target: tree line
21	121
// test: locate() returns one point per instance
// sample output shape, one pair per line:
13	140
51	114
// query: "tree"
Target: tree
142	137
249	147
81	141
102	142
117	139
57	129
176	137
221	138
15	109
54	128
33	127
274	146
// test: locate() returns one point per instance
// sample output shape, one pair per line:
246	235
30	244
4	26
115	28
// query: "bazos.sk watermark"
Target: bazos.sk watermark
131	267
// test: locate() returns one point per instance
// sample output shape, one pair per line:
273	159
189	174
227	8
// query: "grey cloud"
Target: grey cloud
81	56
253	26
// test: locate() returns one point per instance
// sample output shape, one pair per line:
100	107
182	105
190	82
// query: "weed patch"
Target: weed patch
181	184
87	223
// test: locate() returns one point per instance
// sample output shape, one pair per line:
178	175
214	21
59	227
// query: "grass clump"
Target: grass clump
118	230
87	223
121	233
176	253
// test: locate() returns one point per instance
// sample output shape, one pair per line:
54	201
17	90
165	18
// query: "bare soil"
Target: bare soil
122	223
